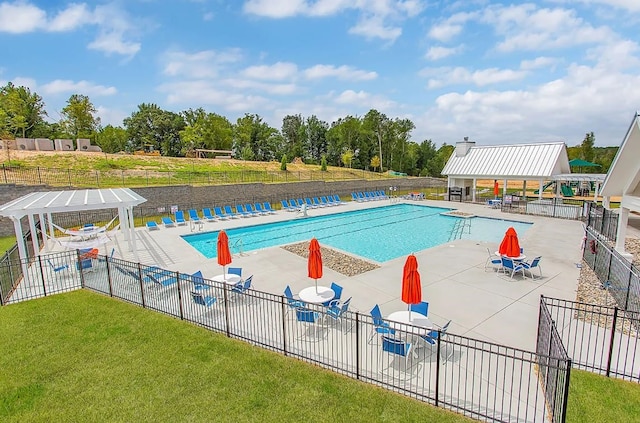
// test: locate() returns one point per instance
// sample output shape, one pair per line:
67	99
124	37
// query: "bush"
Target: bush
323	164
283	163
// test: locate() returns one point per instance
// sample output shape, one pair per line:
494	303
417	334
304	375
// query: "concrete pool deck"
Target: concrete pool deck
481	303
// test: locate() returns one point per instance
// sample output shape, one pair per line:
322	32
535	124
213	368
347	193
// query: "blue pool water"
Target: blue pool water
380	234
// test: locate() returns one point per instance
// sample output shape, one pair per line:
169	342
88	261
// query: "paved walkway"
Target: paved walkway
481	303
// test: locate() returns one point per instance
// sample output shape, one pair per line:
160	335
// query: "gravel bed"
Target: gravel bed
334	260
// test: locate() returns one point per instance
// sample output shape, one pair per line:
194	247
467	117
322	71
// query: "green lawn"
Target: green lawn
6	242
84	357
595	398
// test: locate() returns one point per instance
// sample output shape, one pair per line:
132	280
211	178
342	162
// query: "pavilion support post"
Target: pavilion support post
540	186
43	229
473	191
52	232
623	220
34	235
524	188
132	234
122	216
504	189
22	251
606	202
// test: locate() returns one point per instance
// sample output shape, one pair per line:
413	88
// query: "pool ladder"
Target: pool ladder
238	247
460	227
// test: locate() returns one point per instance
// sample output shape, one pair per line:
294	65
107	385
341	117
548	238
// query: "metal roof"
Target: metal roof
517	161
625	167
68	201
580	177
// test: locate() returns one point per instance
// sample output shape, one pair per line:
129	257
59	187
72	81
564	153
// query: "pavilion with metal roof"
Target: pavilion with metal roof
522	162
45	204
623	180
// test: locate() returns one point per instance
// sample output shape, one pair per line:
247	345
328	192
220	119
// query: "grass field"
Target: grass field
83	357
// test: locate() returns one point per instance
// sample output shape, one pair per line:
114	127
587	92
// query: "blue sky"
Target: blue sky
495	72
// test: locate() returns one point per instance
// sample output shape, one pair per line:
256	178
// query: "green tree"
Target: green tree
426	159
323	164
206	130
442	157
283	162
586	148
345	133
112	139
347	158
79	118
375	162
401	133
160	129
293	132
377	129
316	138
251	132
21	111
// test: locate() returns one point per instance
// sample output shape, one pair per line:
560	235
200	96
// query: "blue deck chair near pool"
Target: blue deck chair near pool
220	214
193	215
152	225
380	327
421	308
431	338
337	199
267	207
291	301
241	288
260	210
311	321
535	263
179	217
58	268
309	203
230	213
337	290
241	212
198	281
354	197
512	266
167	221
325	202
285	205
203	300
207	215
293	205
300	203
249	209
337	310
396	347
318	203
234	271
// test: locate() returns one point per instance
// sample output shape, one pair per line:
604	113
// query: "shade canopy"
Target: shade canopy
224	255
510	246
582	163
411	287
314	264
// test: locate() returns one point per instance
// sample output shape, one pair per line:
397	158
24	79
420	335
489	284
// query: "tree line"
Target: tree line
374	141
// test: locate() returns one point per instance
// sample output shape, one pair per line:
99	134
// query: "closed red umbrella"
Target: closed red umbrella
224	255
411	287
496	189
315	261
510	246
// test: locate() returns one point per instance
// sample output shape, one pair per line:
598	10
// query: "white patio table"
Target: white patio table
322	295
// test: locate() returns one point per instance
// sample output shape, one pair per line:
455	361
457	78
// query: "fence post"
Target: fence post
69	172
180	296
108	262
438	368
39	176
357	345
44	287
283	310
226	310
79	264
626	300
565	397
609	268
141	286
613	332
4	171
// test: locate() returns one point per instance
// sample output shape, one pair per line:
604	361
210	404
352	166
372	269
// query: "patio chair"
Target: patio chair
494	260
260	210
241	288
535	263
167	221
249	209
84	264
300	202
317	202
361	196
380	327
432	337
512	266
382	195
234	271
152	225
309	202
337	199
241	212
325	202
193	215
220	214
203	300
309	319
285	205
207	215
421	308
230	213
354	197
179	218
336	310
293	205
337	290
198	281
267	208
58	268
396	348
291	301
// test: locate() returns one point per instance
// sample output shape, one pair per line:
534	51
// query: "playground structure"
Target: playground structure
202	153
45	144
147	150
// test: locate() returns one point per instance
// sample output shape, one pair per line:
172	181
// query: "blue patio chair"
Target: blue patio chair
267	208
241	288
234	271
152	225
355	197
396	347
230	213
324	200
220	214
493	260
285	205
337	290
203	300
300	202
336	310
179	218
421	308
167	221
198	281
317	202
309	319
309	202
512	266
207	215
432	337
337	199
535	263
241	212
291	301
58	268
380	327
193	215
361	196
293	206
249	209
259	209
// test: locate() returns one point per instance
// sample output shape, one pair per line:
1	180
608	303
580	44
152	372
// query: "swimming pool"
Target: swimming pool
380	234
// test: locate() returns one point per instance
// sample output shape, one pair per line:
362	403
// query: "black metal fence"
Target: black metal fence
483	380
600	339
94	178
603	220
619	277
563	208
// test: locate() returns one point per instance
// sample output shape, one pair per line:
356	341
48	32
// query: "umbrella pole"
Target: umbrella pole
409	310
224	274
316	286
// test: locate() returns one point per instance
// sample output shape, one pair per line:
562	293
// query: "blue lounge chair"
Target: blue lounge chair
268	209
249	209
260	210
167	221
241	212
230	213
285	205
179	217
193	215
207	215
361	196
382	195
152	225
421	308
293	205
300	203
354	197
220	214
327	202
337	199
309	203
317	202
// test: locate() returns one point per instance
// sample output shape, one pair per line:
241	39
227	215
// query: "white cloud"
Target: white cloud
440	52
374	27
358	98
74	16
275	8
59	86
20	17
459	75
247	84
278	71
444	32
538	63
341	72
205	92
112	42
202	64
110	116
630	5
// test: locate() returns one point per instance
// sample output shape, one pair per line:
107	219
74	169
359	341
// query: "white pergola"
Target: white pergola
43	204
623	180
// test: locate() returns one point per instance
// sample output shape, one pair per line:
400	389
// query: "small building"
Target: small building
623	180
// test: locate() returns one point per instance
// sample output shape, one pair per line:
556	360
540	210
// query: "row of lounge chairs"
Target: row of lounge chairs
368	196
218	213
311	202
